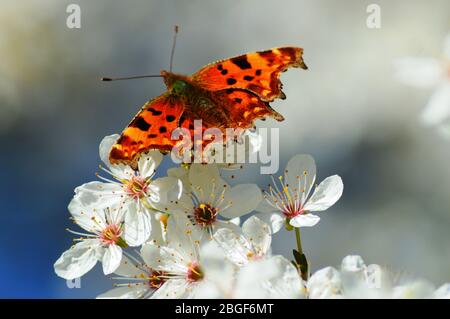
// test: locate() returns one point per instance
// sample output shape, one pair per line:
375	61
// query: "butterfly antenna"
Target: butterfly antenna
130	77
173	47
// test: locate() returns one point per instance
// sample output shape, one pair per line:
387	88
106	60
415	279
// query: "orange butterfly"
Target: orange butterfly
230	93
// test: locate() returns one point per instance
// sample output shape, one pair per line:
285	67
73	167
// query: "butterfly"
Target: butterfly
230	93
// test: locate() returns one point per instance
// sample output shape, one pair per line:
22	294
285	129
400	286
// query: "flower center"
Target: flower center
111	235
291	211
205	215
155	281
194	272
136	187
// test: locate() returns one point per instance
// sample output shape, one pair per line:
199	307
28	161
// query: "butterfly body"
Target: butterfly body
230	93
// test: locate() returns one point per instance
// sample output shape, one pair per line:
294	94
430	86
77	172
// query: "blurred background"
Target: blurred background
347	110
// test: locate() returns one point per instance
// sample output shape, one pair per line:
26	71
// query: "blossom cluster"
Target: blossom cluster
181	236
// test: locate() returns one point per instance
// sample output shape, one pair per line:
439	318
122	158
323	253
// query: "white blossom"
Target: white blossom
291	200
104	241
134	191
206	197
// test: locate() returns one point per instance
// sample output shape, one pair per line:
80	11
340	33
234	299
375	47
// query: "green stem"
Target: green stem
299	241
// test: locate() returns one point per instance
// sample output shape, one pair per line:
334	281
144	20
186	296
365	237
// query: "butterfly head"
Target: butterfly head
176	84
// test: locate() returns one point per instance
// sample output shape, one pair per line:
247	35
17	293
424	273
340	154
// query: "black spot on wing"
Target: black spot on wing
248	78
258	72
152	135
170	118
162	129
154	112
141	124
231	81
224	72
241	62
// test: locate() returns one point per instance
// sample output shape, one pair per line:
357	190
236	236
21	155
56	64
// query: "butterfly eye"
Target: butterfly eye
179	86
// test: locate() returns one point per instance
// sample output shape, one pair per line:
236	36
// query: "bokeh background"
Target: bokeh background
347	110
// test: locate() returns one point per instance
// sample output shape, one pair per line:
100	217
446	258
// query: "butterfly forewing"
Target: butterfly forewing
257	72
151	128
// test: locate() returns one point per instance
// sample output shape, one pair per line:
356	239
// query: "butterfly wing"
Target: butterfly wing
244	107
257	72
151	128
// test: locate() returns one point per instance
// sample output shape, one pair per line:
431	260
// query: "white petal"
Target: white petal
244	198
171	289
181	234
287	284
300	174
111	259
326	194
235	247
418	72
181	173
305	220
122	171
105	147
258	233
164	191
127	268
138	226
443	292
438	108
413	290
132	292
353	263
150	254
325	283
201	178
275	277
215	267
276	221
148	163
78	260
99	195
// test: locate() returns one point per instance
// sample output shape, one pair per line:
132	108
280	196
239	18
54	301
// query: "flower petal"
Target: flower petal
202	177
171	289
78	260
275	220
111	259
148	163
244	198
300	174
258	233
127	268
150	254
326	194
216	268
105	147
235	247
138	226
99	195
132	292
164	191
305	220
325	283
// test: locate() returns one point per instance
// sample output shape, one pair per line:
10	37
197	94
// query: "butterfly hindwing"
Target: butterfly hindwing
244	107
257	72
151	128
